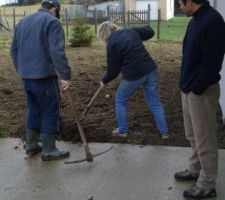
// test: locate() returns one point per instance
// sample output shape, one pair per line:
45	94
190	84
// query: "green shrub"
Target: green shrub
82	35
2	133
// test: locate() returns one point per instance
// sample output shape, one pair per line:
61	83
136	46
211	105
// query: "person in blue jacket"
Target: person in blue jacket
38	55
203	53
127	55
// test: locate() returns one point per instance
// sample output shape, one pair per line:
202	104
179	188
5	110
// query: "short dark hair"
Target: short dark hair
195	1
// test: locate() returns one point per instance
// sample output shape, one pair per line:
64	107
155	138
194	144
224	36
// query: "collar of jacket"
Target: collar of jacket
44	10
202	9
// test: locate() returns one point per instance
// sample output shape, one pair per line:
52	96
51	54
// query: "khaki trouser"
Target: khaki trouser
199	112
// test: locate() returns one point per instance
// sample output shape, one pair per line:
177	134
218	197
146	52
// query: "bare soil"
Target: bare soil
87	69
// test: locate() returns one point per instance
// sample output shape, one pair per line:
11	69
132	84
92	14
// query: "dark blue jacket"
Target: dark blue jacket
38	47
203	50
127	54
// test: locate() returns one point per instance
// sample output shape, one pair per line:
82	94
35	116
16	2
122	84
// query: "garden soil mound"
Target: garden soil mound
88	65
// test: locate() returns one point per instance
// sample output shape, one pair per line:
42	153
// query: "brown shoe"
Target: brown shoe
186	175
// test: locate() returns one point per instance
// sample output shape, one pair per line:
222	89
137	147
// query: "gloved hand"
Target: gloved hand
64	84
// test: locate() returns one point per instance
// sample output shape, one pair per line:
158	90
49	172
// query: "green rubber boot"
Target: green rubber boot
32	146
50	152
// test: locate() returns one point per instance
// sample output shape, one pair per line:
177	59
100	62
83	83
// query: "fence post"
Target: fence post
14	19
1	20
108	13
67	28
124	18
96	20
129	13
149	14
158	24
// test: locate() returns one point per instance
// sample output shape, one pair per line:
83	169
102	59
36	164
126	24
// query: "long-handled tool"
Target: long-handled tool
88	106
85	159
89	156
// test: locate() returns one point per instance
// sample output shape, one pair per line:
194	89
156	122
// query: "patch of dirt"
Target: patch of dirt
88	67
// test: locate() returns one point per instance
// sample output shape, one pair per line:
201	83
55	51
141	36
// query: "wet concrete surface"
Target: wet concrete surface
127	172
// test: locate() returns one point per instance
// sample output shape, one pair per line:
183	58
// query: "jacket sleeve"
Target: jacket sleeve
14	49
113	64
56	45
213	54
145	32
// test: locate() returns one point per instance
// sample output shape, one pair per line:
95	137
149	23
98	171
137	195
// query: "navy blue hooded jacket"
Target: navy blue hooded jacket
203	50
127	54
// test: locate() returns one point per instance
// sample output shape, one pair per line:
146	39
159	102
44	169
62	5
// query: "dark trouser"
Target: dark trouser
199	113
43	101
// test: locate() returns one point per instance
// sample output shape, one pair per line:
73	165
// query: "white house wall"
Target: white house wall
212	2
170	9
143	5
103	7
167	9
220	5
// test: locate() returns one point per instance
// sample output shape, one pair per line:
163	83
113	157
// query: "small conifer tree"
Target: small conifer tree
82	35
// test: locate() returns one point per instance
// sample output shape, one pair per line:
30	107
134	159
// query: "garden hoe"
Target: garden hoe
89	155
88	106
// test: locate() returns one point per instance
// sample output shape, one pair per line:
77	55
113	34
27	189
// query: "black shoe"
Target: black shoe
186	175
199	193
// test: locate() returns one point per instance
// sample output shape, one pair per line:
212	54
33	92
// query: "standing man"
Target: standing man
38	55
203	53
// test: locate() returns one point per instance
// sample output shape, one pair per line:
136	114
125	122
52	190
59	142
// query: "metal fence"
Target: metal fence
130	18
172	29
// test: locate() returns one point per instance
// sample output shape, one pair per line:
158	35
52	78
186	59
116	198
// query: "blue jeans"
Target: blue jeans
43	101
126	90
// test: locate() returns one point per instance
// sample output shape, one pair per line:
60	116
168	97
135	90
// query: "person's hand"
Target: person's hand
102	85
64	84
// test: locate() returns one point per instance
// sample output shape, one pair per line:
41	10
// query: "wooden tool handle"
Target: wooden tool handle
80	128
86	109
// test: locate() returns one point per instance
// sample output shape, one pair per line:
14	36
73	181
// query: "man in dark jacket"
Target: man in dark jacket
38	55
127	54
203	53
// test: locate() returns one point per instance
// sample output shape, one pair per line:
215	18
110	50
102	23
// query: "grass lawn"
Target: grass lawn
173	29
19	10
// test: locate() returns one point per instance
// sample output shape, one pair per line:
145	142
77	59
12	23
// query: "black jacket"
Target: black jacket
127	54
203	50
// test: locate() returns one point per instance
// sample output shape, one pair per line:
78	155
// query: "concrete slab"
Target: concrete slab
127	172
